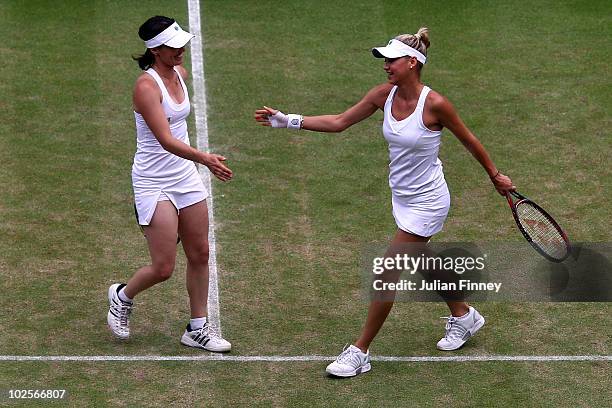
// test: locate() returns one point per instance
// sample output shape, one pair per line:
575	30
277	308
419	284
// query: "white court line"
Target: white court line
315	358
201	124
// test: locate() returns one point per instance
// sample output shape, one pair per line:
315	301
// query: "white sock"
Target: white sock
197	323
123	297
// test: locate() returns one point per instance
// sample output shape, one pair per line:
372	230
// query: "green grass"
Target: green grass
531	81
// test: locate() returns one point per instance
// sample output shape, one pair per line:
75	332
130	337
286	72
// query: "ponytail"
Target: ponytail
146	60
418	41
423	36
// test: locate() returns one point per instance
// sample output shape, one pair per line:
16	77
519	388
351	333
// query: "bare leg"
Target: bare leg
457	308
379	310
161	239
193	230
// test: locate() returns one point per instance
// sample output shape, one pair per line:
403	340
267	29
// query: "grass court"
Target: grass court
530	79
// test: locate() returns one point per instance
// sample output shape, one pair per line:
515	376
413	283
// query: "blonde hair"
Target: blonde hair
418	41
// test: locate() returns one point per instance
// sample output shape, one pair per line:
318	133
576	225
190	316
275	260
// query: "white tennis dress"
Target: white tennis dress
419	193
157	174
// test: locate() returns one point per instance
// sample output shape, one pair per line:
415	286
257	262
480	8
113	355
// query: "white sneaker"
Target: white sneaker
350	362
460	329
118	317
205	338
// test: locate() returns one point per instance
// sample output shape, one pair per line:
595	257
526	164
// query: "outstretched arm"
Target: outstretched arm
327	123
448	117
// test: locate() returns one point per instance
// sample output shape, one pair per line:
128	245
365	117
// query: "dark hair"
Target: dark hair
148	30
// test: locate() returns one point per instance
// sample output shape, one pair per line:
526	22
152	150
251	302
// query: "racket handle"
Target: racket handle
517	195
510	202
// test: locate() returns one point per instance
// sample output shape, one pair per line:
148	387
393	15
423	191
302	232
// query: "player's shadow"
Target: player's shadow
586	276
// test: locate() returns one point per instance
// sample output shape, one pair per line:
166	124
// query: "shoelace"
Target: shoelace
452	328
348	356
209	331
126	310
123	310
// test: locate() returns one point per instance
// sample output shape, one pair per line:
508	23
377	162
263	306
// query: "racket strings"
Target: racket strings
542	231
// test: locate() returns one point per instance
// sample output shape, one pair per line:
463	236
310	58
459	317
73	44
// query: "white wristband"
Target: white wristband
295	121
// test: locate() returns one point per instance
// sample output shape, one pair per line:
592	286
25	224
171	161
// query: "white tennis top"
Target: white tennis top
151	160
415	171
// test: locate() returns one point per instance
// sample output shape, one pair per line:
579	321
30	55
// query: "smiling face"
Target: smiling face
169	56
399	68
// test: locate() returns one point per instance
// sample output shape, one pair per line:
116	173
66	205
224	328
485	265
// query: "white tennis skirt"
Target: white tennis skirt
423	216
182	192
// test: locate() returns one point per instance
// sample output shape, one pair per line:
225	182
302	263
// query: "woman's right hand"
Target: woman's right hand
271	117
215	164
503	184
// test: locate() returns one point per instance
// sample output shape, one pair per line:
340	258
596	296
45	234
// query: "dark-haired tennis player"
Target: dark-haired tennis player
169	194
414	117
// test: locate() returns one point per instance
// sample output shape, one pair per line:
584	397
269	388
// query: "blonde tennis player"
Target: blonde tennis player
414	116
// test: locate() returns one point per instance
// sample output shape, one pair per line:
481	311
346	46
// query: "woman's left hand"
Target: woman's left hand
502	183
215	164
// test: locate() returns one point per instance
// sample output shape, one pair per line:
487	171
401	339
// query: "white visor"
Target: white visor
397	49
173	37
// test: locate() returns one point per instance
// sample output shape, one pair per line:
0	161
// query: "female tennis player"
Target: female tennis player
170	197
414	116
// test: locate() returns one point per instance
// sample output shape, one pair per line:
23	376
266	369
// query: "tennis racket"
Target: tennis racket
539	228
